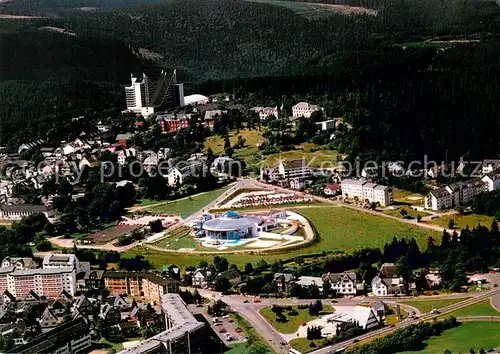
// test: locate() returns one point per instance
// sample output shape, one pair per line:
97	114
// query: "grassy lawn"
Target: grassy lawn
427	305
188	206
294	322
303	345
310	152
247	153
346	229
107	344
339	229
469	335
461	221
250	152
403	196
482	308
409	211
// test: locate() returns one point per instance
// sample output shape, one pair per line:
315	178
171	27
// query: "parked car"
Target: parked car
245	302
222	330
238	330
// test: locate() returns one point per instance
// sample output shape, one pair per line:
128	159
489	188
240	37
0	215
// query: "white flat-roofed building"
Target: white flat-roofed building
139	93
304	109
49	282
438	199
326	124
382	195
19	211
294	169
365	190
179	334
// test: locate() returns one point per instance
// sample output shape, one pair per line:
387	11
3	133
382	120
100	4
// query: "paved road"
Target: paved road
387	330
250	311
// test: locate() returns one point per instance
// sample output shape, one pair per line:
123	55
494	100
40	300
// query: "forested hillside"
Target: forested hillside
414	96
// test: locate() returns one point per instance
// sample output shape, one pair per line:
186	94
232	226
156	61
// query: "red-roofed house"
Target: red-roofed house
332	189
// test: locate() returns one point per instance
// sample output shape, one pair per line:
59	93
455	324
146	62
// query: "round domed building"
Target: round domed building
232	226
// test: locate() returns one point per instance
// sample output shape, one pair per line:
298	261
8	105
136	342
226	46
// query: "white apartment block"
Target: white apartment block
362	189
457	193
294	169
438	199
304	109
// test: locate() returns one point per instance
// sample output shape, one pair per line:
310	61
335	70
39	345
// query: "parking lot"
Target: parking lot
226	329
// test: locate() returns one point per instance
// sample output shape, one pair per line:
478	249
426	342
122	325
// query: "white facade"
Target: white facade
265	112
19	211
327	124
459	193
294	169
378	287
342	283
492	180
138	94
364	190
438	199
304	109
490	166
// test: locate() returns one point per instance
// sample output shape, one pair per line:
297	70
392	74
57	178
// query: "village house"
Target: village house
341	283
232	275
200	278
387	286
332	189
283	281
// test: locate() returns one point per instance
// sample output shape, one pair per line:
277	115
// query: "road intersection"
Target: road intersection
246	307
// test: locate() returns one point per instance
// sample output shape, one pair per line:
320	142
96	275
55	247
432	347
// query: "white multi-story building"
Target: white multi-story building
265	112
492	180
387	286
458	193
139	93
342	283
382	195
438	199
19	211
362	189
294	169
304	109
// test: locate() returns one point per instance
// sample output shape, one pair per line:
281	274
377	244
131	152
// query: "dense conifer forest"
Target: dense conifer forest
424	74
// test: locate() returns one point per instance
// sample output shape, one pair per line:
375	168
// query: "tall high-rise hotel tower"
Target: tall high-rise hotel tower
144	97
